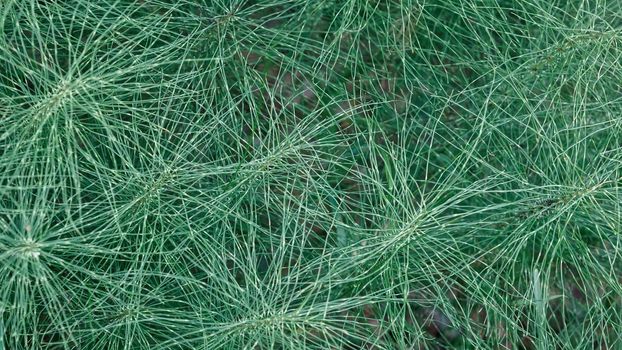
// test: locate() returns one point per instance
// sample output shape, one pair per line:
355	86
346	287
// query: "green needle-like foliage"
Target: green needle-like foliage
296	174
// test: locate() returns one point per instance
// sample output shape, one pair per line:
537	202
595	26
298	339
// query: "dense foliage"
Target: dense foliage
296	174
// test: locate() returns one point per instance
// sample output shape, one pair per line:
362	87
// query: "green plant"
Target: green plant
293	174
